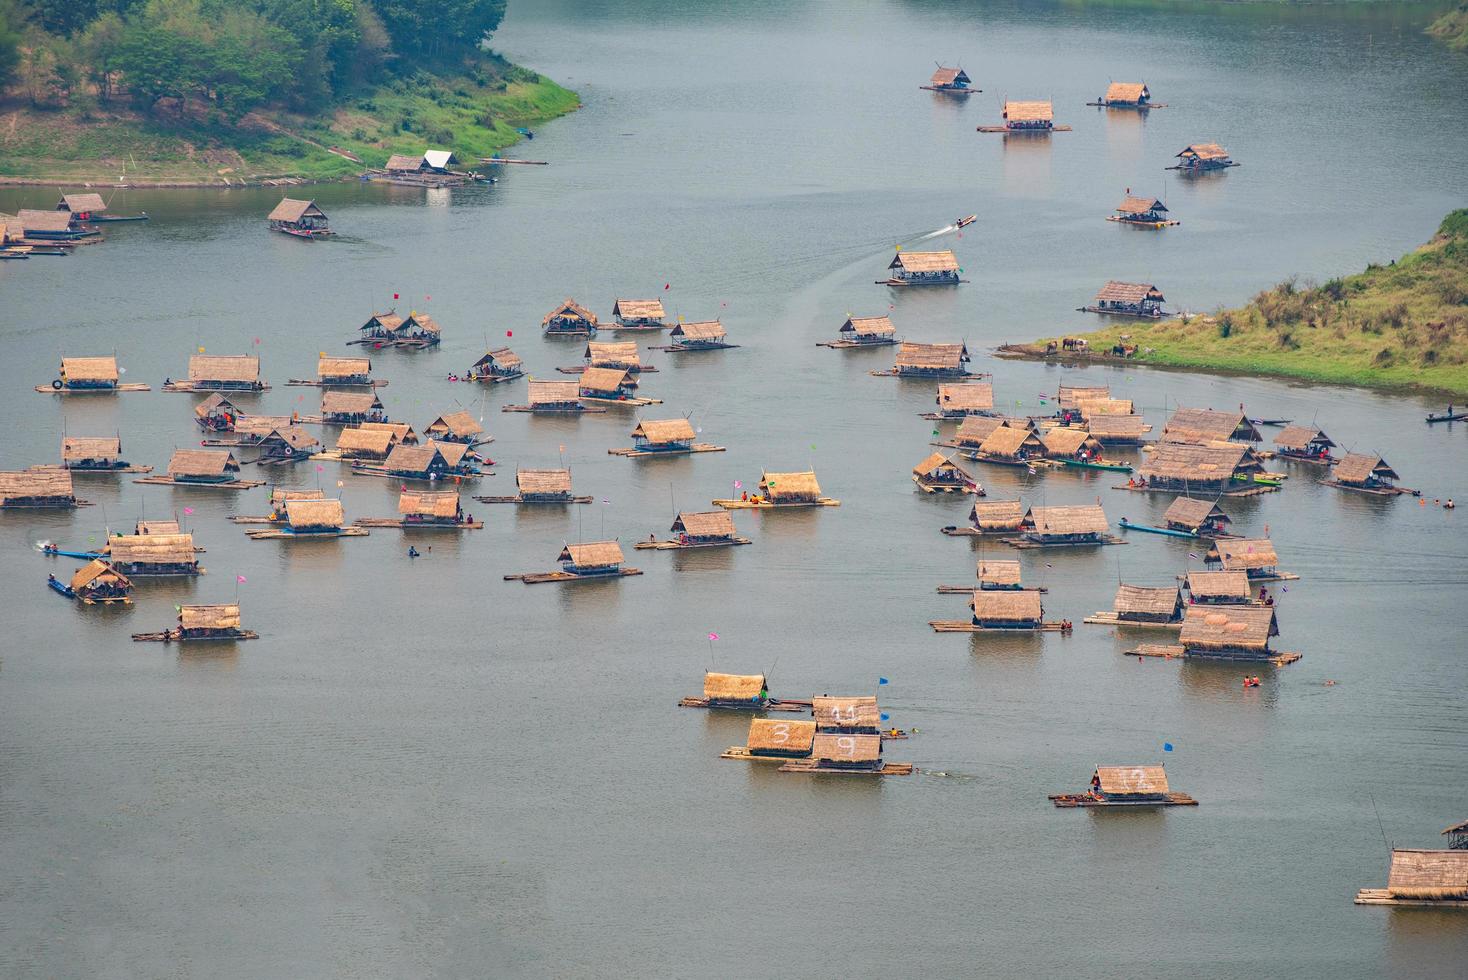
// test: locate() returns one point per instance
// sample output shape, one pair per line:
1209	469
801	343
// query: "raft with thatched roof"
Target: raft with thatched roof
1198	158
1255	557
1142	607
221	372
299	219
459	427
278	498
206	469
1205	427
863	331
429	462
1133	299
500	364
611	354
285	444
1304	444
1366	473
89	376
915	360
1006	445
1128	95
249	430
96	583
1425	878
582	562
426	510
358	444
1221	588
849	755
1053	527
957	402
311	519
923	269
1232	633
1118	430
1143	212
1126	786
153	555
418	332
664	437
554	398
613	386
695	336
637	315
379	331
540	487
995	610
991	517
1221	468
774	740
698	529
950	81
739	692
195	623
570	319
351	408
782	490
341	372
94	454
1027	118
938	473
996	575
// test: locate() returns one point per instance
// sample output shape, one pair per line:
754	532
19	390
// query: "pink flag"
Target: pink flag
713	636
240	579
188	510
320	469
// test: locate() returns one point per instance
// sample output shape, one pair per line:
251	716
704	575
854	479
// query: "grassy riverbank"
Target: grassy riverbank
1452	27
475	115
1399	325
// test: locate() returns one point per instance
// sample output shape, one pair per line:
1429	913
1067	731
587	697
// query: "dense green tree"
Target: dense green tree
98	47
440	27
9	40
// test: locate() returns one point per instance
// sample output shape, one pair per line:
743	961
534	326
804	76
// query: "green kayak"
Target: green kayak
1086	464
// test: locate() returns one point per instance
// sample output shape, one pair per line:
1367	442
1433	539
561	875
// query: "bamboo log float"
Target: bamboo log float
634	453
537	578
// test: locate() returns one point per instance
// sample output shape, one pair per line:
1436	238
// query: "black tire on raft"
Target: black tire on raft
56	384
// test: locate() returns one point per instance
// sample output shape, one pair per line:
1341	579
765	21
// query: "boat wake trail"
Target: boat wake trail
945	230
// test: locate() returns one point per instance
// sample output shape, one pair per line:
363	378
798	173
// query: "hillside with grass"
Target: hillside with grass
1452	27
1404	324
225	91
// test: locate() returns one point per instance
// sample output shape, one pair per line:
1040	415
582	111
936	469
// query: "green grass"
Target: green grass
474	115
1452	27
1398	325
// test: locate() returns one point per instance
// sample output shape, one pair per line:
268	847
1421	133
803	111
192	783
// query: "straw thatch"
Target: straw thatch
1219	586
1203	425
407	459
224	368
90	369
1143	604
279	496
288	440
1070	396
257	427
925	262
553	393
202	463
974	429
43	221
1132	780
157	527
1428	875
571	311
349	403
1029	112
51	486
1301	437
501	360
1093	407
1128	293
1204	152
382	324
401	431
1006	442
1133	205
220	617
88	203
1191	514
664	432
291	211
732	687
790	487
997	515
439	504
97	573
613	354
705	525
939	466
1129	93
420	324
976	396
1117	428
1000	607
404	163
1225	629
846	713
543	483
604	381
151	549
365	443
1067	443
592	555
1244	554
216	404
314	515
999	573
868	326
1360	470
459	425
332	368
775	736
1074	521
638	309
701	331
1202	467
76	449
945	77
846	749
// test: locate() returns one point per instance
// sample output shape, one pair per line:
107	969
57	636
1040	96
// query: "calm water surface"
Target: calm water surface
423	770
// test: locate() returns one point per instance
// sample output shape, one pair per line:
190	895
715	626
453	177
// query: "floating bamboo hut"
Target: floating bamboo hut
1204	426
351	408
609	385
153	555
279	497
380	330
864	331
83	208
1200	158
638	314
89	375
1009	446
1203	518
300	219
698	335
1255	557
570	319
418	331
205	467
923	269
1084	524
995	575
344	372
950	81
96	454
619	355
1118	430
1143	606
1304	443
98	583
364	445
1222	468
143	526
286	444
958	402
782	490
1033	118
433	509
1126	786
664	437
992	517
51	226
847	715
248	430
432	168
974	429
1090	408
1014	610
401	431
916	360
1147	212
1231	633
1127	95
218	622
735	692
1069	399
317	519
221	372
1366	473
698	529
217	413
1064	443
775	739
540	487
1135	299
500	364
48	489
582	562
1219	589
553	398
430	461
848	755
940	474
1421	878
457	426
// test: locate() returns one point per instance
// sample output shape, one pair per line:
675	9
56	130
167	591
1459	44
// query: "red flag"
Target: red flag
509	333
667	285
394	295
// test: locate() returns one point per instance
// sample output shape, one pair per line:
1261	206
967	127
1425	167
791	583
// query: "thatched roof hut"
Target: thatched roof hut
157	527
703	526
591	558
1070	396
1204	426
846	714
955	78
868	329
974	429
1127	94
44	224
726	689
82	205
1228	631
430	506
297	215
1141	604
1058	525
939	470
605	383
1428	876
351	406
216	406
1218	588
1139	298
1255	556
1203	156
1011	444
663	434
779	738
1029	115
1089	408
790	488
1117	429
1212	469
203	466
420	328
700	333
88	452
970	398
1006	609
553	395
498	363
365	444
97	581
1303	439
990	516
432	460
543	484
199	621
152	554
997	573
1135	208
232	372
1363	470
836	751
314	516
614	354
569	318
638	312
286	442
457	426
1130	782
1197	516
36	488
382	326
924	267
344	370
279	496
1063	442
89	372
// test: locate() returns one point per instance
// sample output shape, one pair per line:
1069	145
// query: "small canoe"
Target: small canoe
61	588
1126	525
965	222
60	553
1447	417
1087	464
1268	480
1270	421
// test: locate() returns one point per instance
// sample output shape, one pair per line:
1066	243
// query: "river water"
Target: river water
423	770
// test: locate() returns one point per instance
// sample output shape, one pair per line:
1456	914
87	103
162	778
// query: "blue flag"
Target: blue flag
881	680
886	717
1167	746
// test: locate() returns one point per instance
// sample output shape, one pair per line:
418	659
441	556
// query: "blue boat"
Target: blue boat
58	552
60	587
1126	525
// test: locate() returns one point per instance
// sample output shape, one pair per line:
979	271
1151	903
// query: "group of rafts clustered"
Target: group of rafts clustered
1202	458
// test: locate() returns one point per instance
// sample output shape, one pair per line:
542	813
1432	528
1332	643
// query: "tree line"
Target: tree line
230	55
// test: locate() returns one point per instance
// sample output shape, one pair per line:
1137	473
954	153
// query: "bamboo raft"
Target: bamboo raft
283	533
260	519
1023	132
192	386
175	636
537	578
1142	224
892	372
697	447
578	410
167	481
416	525
581	369
1086	799
1373	491
535	500
1383	896
307	383
970	589
948	488
769	704
1253	490
766	505
812	765
630	401
1126	313
1133	107
1024	544
1108	617
366	469
88	470
969	626
1036	463
681	546
968	531
855	344
51	390
1172	652
686	348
